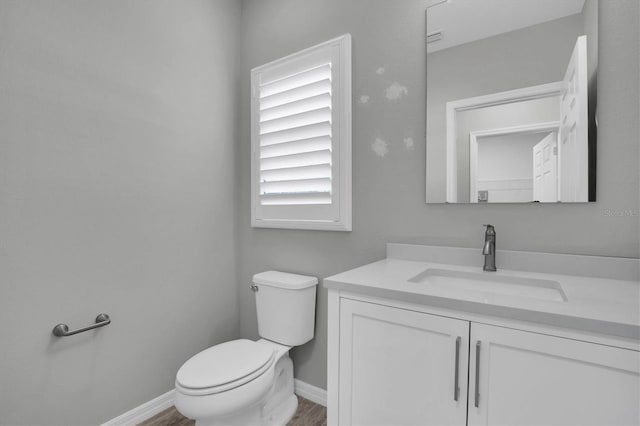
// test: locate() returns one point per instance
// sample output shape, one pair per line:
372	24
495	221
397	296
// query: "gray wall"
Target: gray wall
389	191
507	156
116	185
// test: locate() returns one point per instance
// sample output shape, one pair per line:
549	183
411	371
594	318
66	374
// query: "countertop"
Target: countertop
594	304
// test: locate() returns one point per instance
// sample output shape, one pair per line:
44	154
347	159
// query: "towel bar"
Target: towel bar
62	330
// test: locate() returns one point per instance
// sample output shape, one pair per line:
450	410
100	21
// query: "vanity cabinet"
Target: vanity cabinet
400	364
523	378
399	367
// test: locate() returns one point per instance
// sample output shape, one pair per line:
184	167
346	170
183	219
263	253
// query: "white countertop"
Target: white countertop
594	304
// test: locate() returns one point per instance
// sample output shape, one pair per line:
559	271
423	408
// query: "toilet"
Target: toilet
245	382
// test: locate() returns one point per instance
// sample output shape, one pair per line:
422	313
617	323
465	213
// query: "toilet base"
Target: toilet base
284	412
281	404
280	416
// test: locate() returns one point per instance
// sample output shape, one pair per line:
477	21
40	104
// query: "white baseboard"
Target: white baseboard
310	392
144	411
164	401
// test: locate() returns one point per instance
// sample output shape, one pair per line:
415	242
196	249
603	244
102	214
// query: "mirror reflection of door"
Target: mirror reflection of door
502	69
506	165
574	131
545	169
508	179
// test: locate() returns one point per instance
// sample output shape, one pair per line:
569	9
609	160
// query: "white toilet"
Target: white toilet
243	382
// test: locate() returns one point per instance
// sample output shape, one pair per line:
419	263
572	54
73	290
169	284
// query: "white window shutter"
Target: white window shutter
301	139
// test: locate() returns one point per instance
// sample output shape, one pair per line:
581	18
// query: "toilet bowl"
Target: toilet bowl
244	382
206	389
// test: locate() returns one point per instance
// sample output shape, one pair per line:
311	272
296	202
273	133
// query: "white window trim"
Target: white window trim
341	154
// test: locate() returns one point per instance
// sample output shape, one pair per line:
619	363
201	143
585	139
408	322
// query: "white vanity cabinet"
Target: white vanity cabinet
399	364
523	378
399	367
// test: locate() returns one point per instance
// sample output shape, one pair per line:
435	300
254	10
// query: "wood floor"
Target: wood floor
307	414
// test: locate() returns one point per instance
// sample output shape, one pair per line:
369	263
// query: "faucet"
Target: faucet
489	249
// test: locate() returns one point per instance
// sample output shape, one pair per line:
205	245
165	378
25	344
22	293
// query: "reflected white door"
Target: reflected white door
545	169
573	152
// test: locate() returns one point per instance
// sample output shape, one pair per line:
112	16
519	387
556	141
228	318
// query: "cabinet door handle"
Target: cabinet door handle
477	395
456	388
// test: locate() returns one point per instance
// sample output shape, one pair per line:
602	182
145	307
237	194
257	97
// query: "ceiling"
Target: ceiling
463	21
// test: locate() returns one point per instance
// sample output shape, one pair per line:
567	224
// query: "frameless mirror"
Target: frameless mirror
511	100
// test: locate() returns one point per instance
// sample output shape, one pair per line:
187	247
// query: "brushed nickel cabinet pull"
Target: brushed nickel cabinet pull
477	396
456	388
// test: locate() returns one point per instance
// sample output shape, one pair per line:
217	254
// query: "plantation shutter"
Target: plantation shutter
295	138
301	139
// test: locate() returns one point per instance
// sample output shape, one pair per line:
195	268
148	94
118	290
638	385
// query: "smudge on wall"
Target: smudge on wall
408	143
396	91
393	92
380	147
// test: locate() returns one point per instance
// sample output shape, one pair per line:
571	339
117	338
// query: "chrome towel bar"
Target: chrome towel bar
62	330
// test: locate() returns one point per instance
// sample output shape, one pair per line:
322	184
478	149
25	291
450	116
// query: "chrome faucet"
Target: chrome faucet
489	249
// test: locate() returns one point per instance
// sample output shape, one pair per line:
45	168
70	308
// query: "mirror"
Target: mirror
511	101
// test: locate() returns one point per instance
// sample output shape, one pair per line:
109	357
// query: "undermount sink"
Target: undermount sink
490	282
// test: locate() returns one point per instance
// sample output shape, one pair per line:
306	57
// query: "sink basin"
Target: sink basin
490	282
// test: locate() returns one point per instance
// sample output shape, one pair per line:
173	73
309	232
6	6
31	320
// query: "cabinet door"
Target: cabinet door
522	378
398	367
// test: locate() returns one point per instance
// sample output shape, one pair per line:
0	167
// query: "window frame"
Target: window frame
336	216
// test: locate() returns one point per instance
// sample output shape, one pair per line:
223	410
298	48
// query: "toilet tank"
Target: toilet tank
286	306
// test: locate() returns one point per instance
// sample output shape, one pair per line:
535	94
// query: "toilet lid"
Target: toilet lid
223	364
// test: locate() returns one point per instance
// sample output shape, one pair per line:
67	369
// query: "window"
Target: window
301	139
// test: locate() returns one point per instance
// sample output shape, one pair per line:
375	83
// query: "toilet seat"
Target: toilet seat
224	367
